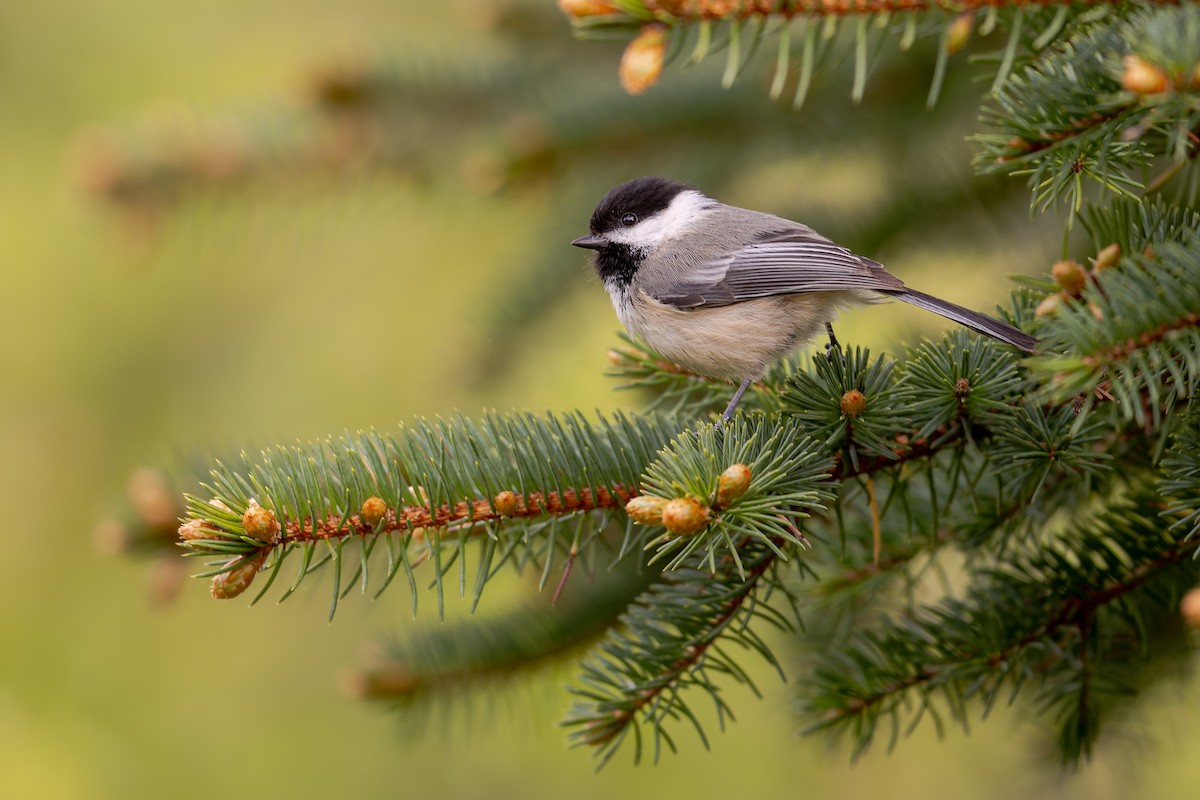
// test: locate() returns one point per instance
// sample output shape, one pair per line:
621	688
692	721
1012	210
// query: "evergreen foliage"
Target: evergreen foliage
1069	482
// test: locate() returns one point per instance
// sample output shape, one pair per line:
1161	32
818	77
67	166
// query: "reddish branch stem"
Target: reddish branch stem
409	518
697	10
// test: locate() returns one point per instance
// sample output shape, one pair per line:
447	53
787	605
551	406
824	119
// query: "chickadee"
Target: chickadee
726	292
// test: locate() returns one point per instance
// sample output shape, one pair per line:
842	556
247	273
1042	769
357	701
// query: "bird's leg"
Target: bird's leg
733	404
834	344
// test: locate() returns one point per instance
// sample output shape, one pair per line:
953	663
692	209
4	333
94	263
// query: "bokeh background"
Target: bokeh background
224	225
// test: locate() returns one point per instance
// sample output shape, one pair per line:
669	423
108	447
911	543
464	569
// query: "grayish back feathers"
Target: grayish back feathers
758	255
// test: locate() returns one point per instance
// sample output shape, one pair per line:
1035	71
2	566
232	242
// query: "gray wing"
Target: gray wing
785	262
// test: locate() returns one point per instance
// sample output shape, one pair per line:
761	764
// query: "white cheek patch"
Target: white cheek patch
677	218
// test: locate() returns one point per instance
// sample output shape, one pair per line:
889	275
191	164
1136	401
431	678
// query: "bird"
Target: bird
725	292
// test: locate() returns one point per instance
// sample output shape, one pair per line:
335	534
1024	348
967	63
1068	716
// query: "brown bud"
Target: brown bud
959	32
732	484
373	510
1049	306
1070	275
1142	77
586	8
259	522
230	584
194	529
645	509
962	387
1107	258
683	516
854	403
1189	608
642	61
506	503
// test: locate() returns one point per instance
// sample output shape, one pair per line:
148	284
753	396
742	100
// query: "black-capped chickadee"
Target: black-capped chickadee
726	292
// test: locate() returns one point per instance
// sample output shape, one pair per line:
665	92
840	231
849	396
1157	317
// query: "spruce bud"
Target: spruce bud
854	403
642	61
259	522
1142	77
230	584
683	516
645	509
194	529
1107	258
732	484
1049	306
959	32
506	503
373	510
1070	275
586	8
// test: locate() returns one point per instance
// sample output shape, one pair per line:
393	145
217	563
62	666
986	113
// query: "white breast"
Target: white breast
732	342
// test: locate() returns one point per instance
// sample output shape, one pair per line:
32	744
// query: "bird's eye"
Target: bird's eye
629	220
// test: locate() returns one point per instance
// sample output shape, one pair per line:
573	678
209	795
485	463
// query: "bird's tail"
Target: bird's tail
972	319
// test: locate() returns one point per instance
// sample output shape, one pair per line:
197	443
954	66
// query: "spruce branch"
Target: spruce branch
1100	106
1137	226
963	381
660	29
1034	444
855	406
434	487
692	10
605	15
752	482
1180	484
675	638
441	485
1135	329
450	660
1046	614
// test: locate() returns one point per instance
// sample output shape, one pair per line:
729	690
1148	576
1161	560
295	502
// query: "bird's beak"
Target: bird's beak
591	242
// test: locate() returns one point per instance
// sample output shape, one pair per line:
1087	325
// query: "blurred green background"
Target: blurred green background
300	306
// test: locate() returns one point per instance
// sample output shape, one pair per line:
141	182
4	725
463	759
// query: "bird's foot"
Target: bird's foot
833	343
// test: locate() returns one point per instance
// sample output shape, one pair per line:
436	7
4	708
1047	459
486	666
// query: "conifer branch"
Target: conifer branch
474	515
1099	106
1135	329
1032	629
661	25
670	643
451	659
723	10
1180	484
436	486
968	445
